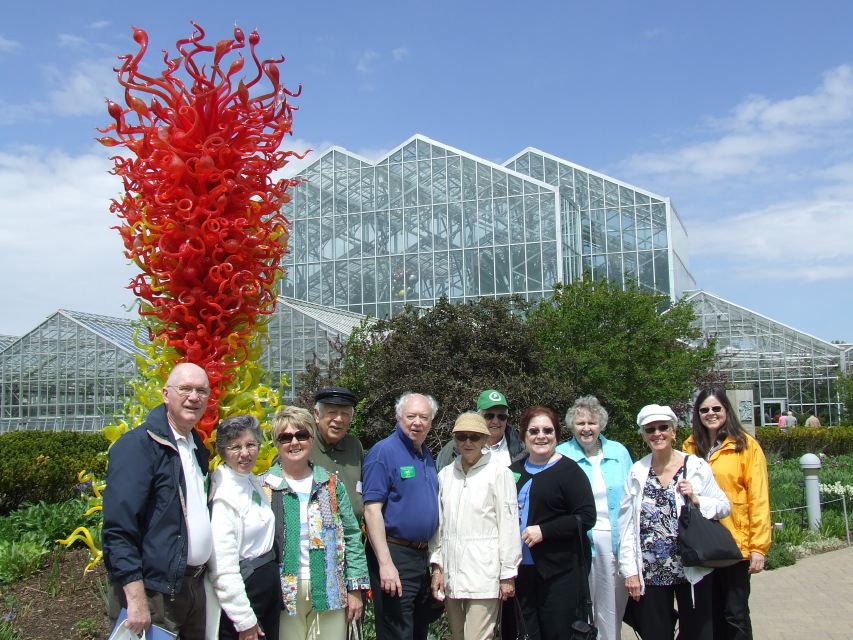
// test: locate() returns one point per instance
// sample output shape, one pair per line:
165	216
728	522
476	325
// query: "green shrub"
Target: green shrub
832	441
779	556
19	560
43	465
44	523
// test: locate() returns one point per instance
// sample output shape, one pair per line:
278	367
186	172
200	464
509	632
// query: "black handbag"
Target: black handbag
703	542
583	629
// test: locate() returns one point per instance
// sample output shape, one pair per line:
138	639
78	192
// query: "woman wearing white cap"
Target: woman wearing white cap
476	550
649	556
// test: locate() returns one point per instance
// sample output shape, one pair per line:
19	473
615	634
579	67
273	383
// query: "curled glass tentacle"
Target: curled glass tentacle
200	215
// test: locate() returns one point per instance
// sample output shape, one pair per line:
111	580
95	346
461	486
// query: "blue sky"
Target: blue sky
742	113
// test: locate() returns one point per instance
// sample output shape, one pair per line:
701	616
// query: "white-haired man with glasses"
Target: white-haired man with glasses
156	534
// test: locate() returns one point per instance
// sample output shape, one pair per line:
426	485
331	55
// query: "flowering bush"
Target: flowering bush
837	489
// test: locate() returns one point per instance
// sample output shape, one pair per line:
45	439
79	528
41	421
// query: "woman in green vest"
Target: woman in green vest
323	567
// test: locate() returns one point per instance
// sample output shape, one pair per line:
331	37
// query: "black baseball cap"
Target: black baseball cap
336	395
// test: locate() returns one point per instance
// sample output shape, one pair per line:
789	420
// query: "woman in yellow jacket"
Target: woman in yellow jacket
740	469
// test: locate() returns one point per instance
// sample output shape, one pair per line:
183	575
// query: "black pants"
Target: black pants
730	602
549	606
185	615
407	617
694	613
264	590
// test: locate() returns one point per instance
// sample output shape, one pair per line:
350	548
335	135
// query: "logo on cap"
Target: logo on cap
494	395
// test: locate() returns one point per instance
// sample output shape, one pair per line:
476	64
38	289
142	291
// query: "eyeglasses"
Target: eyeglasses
473	437
286	438
716	409
235	449
534	431
186	391
503	417
660	428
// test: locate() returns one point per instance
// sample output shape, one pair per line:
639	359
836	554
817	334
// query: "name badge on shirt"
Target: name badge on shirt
407	472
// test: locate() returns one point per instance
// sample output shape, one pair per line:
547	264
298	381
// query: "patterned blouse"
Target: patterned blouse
659	533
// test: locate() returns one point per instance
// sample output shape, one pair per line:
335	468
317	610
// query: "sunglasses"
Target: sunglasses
473	437
716	409
286	438
534	431
661	428
503	417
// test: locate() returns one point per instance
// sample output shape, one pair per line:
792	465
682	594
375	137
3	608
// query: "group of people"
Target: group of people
506	531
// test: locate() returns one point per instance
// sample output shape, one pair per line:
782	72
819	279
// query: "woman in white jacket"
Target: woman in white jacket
476	550
243	566
649	554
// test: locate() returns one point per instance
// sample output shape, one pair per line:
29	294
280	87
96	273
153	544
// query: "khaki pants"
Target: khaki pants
309	624
472	619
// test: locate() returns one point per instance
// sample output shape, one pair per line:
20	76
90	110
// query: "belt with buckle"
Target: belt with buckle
195	572
420	546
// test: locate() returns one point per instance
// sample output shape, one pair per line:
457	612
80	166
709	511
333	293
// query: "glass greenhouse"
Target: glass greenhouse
424	221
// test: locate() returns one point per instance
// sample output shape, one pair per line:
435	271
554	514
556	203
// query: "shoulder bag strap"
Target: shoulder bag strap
587	600
277	503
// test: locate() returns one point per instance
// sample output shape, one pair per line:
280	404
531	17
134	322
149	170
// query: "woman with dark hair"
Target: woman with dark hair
740	469
553	496
243	567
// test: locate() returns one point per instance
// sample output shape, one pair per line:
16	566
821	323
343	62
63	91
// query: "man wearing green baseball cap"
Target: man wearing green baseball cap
504	444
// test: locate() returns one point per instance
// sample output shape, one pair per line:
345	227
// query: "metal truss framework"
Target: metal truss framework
69	373
774	360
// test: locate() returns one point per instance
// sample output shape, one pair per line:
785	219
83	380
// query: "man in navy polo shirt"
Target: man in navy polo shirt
400	491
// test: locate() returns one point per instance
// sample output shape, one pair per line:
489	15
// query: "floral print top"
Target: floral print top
659	533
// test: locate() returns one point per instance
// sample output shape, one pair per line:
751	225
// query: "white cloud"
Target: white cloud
56	246
81	90
365	61
803	241
7	45
760	135
652	33
70	41
399	54
100	24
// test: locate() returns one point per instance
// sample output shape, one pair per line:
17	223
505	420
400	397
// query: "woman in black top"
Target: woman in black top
553	494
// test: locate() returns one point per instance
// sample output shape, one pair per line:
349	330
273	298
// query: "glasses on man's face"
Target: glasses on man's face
235	449
473	437
185	391
488	417
535	431
716	409
659	428
286	438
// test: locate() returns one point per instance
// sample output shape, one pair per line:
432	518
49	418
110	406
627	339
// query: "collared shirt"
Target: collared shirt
500	452
405	481
199	533
344	459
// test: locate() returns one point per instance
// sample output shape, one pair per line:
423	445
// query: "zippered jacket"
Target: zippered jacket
477	543
743	478
144	532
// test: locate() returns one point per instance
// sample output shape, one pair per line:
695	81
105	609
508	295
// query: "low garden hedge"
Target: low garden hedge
43	465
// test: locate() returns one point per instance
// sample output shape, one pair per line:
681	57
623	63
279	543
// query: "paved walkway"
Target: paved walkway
811	599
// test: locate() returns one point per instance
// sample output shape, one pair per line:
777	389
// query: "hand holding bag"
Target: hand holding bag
704	543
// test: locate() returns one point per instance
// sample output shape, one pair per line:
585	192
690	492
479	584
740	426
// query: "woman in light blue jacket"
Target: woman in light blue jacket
606	464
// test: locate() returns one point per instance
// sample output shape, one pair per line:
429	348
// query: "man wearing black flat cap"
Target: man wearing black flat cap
337	450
